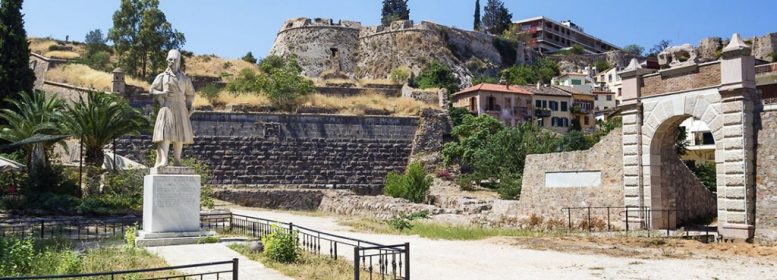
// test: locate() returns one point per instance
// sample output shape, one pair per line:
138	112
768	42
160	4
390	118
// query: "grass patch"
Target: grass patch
213	66
84	76
54	257
440	231
63	54
308	266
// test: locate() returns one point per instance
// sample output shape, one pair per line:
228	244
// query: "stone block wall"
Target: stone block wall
766	176
548	202
705	76
309	151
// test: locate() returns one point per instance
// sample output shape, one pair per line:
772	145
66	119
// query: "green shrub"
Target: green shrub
508	50
58	47
405	221
413	185
437	75
130	235
601	65
16	256
210	92
400	75
207	240
281	246
509	186
49	179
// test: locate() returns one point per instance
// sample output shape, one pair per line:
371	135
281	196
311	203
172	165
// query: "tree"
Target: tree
496	17
279	79
542	70
98	120
477	26
661	46
437	75
601	65
30	115
142	35
95	41
15	73
394	10
634	49
249	57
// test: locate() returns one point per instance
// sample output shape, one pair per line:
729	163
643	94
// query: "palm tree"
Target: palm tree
30	115
100	119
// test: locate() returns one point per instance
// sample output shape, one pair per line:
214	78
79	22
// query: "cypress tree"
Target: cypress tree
477	26
394	10
15	73
496	17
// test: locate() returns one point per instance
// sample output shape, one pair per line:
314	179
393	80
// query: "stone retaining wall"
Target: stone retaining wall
272	199
766	177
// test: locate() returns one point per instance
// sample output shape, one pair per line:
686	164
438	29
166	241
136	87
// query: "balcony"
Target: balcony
542	112
579	109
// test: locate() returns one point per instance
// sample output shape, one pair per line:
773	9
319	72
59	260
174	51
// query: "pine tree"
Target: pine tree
478	25
496	18
394	10
141	36
249	57
15	73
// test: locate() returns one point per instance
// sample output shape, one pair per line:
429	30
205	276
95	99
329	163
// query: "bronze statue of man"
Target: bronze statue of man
175	93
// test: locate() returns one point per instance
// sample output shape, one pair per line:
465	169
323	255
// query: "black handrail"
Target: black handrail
233	262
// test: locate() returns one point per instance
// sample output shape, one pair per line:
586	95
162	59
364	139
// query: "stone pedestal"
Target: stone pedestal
171	207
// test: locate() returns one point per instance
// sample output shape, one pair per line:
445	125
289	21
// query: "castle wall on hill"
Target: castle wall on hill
318	44
307	151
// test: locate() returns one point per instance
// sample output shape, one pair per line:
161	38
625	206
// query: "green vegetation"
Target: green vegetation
543	70
634	49
602	65
405	221
281	246
487	152
98	53
659	47
496	17
508	50
28	115
705	172
141	36
15	73
573	50
439	231
394	10
413	185
249	57
279	80
478	24
25	257
437	75
307	266
400	75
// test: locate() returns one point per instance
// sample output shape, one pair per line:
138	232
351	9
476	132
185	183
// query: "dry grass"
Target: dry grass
41	46
63	54
211	66
353	105
83	76
308	266
359	105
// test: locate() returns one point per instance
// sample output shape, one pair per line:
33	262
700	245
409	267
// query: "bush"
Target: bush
130	235
405	221
437	75
413	185
54	202
508	50
281	246
601	65
210	92
509	186
49	179
16	256
400	75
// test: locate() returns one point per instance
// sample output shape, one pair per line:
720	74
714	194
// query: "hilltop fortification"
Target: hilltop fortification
372	52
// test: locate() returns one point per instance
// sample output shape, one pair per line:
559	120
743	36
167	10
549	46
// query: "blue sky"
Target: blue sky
230	28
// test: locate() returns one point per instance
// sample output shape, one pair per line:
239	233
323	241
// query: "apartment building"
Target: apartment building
550	36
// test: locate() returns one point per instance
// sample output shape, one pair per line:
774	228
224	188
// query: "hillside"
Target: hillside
323	46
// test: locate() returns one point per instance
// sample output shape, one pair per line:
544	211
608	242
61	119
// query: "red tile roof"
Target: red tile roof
495	88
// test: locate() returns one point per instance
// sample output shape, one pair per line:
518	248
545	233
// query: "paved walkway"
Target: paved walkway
202	253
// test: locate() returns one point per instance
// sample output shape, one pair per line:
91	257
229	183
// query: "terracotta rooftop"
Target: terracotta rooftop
546	90
495	88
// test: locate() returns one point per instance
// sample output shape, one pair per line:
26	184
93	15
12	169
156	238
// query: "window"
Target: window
553	121
576	82
538	103
609	97
565	122
619	92
508	103
554	105
609	78
564	106
490	103
472	104
585	120
596	97
544	104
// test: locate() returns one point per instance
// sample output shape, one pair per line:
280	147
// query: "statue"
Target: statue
670	56
175	93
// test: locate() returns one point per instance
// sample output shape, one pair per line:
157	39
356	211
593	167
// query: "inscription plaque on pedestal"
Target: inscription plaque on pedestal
171	203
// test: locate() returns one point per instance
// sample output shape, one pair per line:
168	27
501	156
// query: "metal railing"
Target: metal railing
75	229
137	273
384	261
642	216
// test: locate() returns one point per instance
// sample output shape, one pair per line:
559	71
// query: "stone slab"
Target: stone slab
172	170
171	203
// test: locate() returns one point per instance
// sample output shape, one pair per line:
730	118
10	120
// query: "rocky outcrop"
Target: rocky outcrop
379	207
764	47
709	49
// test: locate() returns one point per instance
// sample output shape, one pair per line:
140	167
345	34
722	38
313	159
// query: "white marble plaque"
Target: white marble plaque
573	179
171	203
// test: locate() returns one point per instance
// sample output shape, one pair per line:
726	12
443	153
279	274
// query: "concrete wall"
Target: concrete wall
549	201
311	151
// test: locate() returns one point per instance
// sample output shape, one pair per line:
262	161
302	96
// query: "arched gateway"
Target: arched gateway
722	95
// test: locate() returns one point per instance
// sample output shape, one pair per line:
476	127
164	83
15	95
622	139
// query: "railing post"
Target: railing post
407	261
569	219
589	218
42	230
627	220
235	269
356	264
608	219
291	228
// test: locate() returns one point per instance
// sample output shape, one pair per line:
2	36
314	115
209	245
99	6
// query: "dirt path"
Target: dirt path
503	258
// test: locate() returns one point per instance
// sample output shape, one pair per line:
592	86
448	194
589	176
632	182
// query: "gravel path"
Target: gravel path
488	259
202	253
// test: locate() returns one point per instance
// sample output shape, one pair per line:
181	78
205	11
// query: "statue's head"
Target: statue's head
174	60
